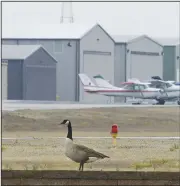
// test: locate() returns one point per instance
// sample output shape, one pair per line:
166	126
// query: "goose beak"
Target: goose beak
63	122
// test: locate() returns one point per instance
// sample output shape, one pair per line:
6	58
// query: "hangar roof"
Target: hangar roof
19	52
124	38
168	41
145	36
132	38
46	31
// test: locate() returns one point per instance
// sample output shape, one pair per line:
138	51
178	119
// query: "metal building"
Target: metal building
121	57
97	57
4	82
178	63
31	72
170	57
77	48
138	57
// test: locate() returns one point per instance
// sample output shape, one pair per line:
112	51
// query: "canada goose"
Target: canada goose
79	153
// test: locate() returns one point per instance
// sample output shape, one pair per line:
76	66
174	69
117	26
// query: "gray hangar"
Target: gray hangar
137	57
170	58
77	48
31	72
178	63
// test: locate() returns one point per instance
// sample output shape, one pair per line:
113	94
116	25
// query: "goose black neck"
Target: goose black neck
69	135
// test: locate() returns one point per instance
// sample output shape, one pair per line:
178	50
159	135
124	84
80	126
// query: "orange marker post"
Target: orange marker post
114	133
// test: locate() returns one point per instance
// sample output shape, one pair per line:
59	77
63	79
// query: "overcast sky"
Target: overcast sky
154	19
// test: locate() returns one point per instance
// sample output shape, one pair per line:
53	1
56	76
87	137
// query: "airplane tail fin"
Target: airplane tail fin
101	82
86	81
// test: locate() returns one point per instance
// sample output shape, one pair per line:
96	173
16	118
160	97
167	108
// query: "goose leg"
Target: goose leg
80	165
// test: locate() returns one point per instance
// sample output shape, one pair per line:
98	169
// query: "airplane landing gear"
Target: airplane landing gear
178	102
160	102
137	103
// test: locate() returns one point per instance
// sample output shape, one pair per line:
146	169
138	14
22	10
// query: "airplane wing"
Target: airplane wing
135	83
158	83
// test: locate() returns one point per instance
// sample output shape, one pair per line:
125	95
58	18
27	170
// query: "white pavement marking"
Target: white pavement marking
136	138
20	106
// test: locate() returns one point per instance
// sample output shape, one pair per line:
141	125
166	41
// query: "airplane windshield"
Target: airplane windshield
142	87
128	87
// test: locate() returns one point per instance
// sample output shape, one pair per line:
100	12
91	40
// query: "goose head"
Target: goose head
66	122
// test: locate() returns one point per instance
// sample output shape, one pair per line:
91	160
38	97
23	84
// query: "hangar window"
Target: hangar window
57	46
145	53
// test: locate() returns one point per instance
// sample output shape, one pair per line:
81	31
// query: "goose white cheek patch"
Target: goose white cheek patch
67	122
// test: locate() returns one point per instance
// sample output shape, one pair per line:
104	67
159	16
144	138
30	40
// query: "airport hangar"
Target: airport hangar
178	62
30	73
171	58
90	50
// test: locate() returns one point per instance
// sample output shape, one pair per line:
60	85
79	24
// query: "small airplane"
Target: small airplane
134	88
171	91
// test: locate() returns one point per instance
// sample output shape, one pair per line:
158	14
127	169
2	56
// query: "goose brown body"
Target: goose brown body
79	153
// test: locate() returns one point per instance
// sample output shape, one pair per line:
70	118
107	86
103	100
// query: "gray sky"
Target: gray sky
154	19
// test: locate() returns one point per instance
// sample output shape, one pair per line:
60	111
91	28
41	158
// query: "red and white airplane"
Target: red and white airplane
134	88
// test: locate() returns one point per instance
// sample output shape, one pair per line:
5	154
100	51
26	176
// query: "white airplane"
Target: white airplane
171	91
134	89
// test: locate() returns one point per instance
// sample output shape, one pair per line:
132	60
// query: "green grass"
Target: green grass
156	163
3	148
175	147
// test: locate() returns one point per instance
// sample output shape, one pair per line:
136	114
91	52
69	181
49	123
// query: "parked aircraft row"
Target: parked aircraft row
155	89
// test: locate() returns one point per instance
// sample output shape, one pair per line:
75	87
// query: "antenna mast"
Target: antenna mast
66	12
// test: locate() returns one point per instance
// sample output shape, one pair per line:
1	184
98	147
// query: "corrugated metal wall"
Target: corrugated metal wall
4	81
67	63
94	63
144	59
96	57
119	67
178	63
15	79
39	77
169	63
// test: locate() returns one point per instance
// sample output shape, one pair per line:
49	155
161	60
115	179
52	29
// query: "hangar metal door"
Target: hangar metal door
145	66
94	64
40	83
4	81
